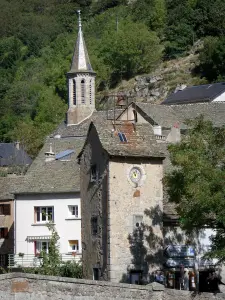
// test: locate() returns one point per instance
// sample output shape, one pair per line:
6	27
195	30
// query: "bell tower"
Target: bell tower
81	82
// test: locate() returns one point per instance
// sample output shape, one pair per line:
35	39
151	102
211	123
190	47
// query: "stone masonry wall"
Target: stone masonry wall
20	286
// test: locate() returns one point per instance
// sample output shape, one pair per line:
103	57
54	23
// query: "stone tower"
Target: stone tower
81	83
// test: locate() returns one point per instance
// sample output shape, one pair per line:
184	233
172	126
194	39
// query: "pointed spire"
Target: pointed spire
80	60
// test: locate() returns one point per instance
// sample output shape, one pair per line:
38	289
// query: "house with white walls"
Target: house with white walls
50	193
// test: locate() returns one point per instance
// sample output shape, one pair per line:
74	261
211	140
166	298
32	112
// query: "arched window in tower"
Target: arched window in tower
74	92
90	92
83	91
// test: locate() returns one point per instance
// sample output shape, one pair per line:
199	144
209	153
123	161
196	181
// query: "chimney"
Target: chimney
17	144
49	155
157	130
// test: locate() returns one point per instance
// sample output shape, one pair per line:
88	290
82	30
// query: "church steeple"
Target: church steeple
81	82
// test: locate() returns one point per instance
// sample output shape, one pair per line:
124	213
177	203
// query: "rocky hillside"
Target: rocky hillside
169	76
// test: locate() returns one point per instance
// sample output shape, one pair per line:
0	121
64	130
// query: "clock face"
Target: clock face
135	174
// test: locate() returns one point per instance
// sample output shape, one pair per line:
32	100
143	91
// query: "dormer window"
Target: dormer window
74	92
83	91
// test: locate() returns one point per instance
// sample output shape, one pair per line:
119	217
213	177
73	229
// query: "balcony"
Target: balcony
30	260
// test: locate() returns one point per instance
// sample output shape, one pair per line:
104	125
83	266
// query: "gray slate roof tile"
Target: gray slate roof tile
196	94
9	186
11	156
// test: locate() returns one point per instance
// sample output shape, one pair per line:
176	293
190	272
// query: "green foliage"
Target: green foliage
196	183
124	38
130	50
52	264
150	12
212	59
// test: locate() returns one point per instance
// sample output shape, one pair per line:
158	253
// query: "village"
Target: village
99	180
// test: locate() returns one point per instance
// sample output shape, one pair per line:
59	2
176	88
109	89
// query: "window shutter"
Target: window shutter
6	209
35	214
6	233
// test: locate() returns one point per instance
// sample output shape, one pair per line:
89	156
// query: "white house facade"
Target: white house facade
32	212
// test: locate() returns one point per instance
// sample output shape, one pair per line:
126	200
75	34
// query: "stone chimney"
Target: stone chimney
49	155
17	145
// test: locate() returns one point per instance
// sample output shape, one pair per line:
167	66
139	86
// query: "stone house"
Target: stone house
168	123
122	201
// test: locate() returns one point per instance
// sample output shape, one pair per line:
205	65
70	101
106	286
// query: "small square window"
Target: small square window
73	211
73	245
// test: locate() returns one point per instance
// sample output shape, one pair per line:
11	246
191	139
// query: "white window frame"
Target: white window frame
47	219
76	248
73	211
39	246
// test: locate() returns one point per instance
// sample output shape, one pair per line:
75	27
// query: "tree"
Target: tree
212	59
130	50
150	12
196	183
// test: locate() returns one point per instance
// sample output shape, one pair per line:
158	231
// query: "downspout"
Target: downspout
14	217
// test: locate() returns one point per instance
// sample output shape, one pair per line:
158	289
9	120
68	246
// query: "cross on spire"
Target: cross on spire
79	18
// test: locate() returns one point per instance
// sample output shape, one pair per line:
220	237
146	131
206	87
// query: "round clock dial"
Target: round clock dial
135	175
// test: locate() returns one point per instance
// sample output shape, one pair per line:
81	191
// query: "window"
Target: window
43	214
73	245
40	246
4	233
73	211
83	91
94	225
4	209
94	173
74	92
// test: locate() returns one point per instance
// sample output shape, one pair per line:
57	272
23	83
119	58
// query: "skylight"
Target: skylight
122	137
64	154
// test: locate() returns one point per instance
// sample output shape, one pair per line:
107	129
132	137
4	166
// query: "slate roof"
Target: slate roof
54	176
11	156
9	186
213	111
161	115
196	94
80	130
141	141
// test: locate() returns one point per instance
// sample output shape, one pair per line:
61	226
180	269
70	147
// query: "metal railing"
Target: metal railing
30	260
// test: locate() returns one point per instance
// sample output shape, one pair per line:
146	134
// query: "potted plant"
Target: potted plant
21	254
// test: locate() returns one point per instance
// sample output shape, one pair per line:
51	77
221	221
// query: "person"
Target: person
157	277
186	280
